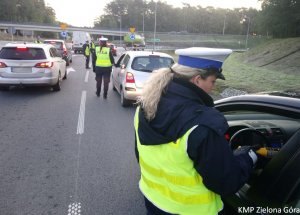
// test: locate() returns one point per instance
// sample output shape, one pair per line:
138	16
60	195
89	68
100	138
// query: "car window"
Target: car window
150	63
22	53
56	44
54	53
125	60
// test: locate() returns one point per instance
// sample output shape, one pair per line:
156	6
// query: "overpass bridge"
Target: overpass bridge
53	28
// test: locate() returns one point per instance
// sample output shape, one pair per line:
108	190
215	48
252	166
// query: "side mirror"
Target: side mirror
123	66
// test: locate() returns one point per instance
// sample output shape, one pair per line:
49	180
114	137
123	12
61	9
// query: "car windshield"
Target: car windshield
57	45
15	53
150	63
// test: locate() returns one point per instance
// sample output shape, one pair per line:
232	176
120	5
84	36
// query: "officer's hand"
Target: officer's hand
250	150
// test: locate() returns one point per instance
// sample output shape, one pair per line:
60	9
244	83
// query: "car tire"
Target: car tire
114	88
4	88
57	86
71	60
124	102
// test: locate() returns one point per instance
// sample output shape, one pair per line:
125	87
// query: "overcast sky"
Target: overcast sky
83	12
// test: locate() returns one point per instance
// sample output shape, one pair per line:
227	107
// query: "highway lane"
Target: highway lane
52	164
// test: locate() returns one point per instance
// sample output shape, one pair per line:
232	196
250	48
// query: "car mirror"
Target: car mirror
123	66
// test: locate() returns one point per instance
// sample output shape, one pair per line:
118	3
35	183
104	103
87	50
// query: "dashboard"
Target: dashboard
276	129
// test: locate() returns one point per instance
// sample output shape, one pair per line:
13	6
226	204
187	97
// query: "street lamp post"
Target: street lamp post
154	26
248	28
224	24
120	29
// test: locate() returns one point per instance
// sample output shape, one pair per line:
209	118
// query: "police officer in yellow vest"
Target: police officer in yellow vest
38	39
186	163
87	53
103	66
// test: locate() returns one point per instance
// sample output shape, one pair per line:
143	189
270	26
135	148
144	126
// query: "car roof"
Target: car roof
54	40
29	45
147	53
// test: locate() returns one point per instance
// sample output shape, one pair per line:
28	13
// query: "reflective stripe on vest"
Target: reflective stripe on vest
87	51
103	59
169	179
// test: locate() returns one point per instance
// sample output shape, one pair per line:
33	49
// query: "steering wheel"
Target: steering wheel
248	137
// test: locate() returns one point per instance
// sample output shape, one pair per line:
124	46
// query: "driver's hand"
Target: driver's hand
250	150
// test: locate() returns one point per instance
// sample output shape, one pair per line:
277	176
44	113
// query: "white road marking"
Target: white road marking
80	125
70	69
74	209
86	76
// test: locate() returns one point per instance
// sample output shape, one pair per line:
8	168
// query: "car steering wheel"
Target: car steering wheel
248	137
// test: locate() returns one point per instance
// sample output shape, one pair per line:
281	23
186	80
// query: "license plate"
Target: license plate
21	69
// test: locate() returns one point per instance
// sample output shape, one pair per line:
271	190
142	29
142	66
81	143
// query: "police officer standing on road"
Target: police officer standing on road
38	39
93	46
103	66
186	163
86	52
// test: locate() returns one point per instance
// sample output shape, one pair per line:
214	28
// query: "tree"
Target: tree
281	18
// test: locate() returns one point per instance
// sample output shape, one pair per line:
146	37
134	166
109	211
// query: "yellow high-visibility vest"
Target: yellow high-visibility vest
103	59
170	181
87	51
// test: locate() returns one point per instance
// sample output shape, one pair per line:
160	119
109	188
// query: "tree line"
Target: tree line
277	18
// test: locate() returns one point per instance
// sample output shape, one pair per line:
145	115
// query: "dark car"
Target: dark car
62	48
271	123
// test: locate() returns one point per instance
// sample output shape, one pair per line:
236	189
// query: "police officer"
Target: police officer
86	52
103	66
186	163
92	48
38	39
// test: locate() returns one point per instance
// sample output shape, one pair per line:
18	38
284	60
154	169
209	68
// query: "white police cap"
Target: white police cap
203	58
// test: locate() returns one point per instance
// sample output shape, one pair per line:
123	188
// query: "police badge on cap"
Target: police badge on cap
203	58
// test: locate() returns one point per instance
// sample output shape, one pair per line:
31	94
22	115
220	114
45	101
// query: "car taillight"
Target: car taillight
2	65
44	65
65	51
129	78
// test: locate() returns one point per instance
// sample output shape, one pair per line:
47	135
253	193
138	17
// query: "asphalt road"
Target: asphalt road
67	152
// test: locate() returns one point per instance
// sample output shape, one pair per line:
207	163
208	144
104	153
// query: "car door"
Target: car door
121	74
59	63
116	72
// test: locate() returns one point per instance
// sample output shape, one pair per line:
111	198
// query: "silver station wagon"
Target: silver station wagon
133	69
31	65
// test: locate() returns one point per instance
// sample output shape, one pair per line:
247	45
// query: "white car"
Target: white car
133	69
31	65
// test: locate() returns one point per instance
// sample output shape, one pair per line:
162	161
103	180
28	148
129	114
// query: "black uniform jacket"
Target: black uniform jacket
182	106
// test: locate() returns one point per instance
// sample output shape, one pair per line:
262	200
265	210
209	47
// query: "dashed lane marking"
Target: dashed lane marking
80	125
86	76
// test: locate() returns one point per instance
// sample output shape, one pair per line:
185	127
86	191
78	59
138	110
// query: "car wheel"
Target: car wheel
57	87
4	88
71	60
66	73
124	102
114	88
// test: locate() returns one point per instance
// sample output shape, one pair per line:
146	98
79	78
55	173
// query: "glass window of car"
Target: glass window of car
54	53
125	60
56	44
150	63
22	53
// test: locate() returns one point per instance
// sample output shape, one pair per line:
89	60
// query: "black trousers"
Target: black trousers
102	73
87	61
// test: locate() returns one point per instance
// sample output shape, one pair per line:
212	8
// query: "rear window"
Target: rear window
14	53
150	63
56	44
